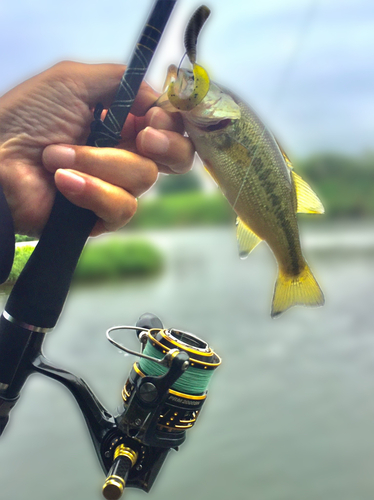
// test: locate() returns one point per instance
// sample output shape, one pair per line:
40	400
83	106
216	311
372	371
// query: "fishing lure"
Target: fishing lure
192	32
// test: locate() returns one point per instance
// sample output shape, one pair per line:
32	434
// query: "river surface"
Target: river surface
290	413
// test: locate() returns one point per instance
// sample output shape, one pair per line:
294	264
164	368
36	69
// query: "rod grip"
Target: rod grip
39	294
5	406
13	342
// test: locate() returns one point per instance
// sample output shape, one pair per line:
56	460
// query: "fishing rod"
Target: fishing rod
38	296
166	389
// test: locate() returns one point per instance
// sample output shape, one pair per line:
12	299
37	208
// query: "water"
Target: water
290	413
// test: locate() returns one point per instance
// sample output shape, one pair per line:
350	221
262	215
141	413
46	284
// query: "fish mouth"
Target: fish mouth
222	124
211	126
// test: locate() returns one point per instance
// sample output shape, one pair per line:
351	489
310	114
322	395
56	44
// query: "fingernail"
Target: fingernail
154	142
68	182
57	156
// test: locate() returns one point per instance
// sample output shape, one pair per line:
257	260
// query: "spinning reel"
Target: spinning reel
162	398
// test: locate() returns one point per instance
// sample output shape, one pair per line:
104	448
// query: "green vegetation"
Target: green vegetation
171	184
184	209
21	256
117	258
344	184
109	259
21	238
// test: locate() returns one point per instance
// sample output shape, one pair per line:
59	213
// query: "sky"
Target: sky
305	66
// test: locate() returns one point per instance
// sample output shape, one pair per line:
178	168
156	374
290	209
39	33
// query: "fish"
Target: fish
254	174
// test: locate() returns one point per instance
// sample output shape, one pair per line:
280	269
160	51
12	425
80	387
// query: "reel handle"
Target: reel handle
124	459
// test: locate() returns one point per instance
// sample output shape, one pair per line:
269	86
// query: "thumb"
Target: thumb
99	83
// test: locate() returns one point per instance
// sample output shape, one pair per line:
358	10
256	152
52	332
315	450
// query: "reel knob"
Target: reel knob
124	459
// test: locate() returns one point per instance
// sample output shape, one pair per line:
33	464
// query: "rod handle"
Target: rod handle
5	406
39	294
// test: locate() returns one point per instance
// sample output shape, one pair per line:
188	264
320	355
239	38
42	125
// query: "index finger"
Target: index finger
101	74
145	98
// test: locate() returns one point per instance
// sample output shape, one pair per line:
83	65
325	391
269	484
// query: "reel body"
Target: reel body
178	392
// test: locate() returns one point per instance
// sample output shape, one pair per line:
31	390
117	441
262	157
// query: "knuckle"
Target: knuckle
122	214
64	66
185	161
128	210
148	177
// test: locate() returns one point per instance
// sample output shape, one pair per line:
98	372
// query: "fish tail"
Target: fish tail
302	289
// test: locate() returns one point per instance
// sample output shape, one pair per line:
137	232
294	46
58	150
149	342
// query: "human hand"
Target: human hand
44	124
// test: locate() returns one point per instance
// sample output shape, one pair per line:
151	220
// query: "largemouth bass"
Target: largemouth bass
253	173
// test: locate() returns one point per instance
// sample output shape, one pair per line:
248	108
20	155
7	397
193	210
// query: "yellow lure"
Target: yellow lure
200	90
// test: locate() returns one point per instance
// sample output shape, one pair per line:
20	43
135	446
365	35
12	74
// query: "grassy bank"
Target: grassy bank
21	256
191	208
345	184
115	258
105	259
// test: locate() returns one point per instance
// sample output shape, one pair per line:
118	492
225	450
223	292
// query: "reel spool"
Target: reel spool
188	393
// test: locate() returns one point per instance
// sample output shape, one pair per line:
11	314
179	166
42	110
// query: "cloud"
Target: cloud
305	65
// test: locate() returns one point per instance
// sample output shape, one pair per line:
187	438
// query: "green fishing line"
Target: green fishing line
193	380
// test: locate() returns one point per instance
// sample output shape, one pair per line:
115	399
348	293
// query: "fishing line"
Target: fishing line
249	166
180	64
304	30
193	381
305	27
203	360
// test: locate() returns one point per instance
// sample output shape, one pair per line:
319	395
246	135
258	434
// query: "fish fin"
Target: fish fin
286	159
296	290
307	200
247	239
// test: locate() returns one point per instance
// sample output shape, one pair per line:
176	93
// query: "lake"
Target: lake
290	413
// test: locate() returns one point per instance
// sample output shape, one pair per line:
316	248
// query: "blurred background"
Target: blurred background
290	413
